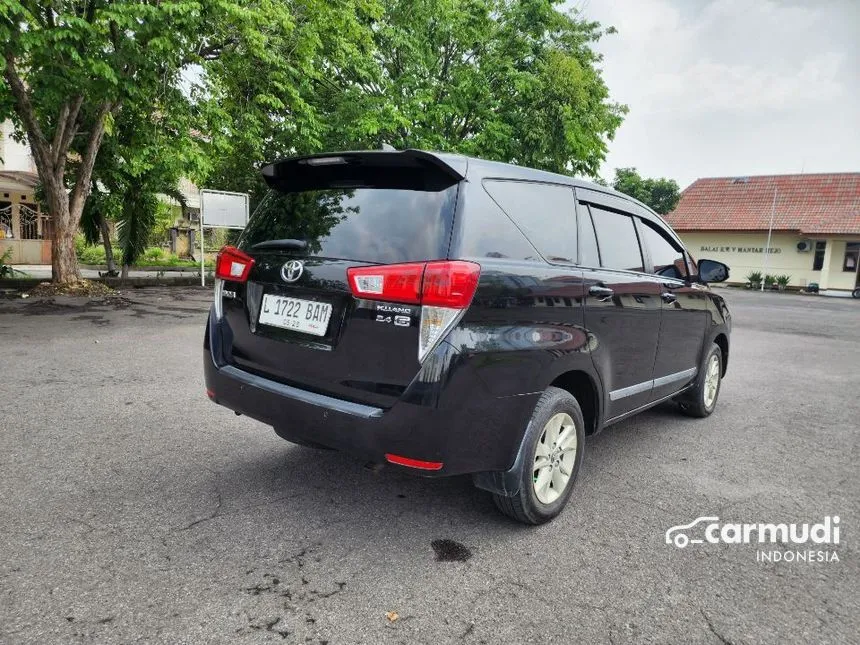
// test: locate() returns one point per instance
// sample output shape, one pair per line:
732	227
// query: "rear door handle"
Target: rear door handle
669	297
603	293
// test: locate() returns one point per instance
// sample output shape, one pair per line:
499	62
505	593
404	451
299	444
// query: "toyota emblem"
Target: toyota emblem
292	270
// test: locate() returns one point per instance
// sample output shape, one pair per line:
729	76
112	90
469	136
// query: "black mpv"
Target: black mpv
450	315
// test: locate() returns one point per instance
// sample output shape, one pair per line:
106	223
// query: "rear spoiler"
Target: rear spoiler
410	169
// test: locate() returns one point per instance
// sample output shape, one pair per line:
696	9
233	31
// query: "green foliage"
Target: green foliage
662	194
769	280
7	271
135	221
165	216
783	280
754	279
74	70
514	81
154	253
151	256
209	89
94	254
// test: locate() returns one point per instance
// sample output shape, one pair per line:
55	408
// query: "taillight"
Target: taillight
442	284
450	284
443	288
389	282
233	264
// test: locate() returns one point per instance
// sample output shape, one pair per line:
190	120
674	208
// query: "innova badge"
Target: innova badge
292	270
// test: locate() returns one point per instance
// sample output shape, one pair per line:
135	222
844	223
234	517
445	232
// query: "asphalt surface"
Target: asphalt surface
132	509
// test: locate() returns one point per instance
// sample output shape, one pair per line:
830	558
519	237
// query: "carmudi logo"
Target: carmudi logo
824	536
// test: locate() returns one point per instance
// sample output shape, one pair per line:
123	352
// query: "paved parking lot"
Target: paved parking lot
134	510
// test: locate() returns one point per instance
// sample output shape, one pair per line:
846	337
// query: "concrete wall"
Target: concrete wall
27	251
744	252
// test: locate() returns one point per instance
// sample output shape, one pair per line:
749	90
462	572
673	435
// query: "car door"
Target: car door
683	310
622	306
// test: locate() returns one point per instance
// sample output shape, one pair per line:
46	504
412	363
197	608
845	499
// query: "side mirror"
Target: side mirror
713	271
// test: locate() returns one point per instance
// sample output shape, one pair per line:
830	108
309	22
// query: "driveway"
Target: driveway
135	510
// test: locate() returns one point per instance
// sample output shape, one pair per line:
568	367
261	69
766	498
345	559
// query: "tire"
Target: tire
856	293
526	506
701	400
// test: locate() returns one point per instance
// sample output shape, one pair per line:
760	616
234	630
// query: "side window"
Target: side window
617	240
486	232
588	253
668	261
543	212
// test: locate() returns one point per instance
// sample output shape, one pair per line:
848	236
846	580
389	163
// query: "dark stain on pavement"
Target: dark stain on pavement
450	551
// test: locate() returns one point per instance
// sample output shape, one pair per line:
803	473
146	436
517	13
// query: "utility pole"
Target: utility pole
769	233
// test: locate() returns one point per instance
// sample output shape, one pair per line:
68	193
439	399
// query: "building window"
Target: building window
852	256
818	262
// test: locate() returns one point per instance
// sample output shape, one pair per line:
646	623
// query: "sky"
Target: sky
732	87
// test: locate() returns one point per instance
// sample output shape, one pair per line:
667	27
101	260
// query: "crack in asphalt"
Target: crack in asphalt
215	513
720	637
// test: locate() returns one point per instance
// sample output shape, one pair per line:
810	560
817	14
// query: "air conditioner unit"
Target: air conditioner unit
805	246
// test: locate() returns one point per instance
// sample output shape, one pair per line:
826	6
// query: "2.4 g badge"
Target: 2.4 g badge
397	315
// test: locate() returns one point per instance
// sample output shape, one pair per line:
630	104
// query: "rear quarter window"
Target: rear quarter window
545	213
380	225
486	232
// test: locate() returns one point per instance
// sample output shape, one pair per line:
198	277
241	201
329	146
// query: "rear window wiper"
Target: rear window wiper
281	244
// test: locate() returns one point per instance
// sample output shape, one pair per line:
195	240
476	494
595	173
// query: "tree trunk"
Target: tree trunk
105	231
64	261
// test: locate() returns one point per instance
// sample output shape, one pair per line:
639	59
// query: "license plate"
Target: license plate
305	316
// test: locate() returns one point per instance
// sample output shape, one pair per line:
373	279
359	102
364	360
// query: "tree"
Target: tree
150	150
70	68
662	194
508	80
265	103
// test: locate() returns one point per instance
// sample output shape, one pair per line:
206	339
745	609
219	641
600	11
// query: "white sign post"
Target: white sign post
220	209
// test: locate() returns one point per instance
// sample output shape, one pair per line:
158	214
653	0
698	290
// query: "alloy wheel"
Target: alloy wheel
712	380
555	456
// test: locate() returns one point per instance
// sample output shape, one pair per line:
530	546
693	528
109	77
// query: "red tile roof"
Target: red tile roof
814	204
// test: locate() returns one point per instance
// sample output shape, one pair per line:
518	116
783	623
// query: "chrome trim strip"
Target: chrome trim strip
312	398
677	376
630	391
650	404
624	392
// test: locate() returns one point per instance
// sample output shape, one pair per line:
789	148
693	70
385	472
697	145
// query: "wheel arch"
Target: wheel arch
722	341
583	386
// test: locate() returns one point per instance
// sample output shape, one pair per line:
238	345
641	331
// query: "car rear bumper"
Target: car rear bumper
462	427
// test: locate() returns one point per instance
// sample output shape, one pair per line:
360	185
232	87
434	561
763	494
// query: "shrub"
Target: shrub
80	244
783	280
754	279
91	255
153	253
769	280
7	271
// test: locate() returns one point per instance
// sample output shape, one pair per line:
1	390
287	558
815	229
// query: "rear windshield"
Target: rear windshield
365	224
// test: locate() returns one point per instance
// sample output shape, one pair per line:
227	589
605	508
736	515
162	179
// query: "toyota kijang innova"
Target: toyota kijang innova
449	315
